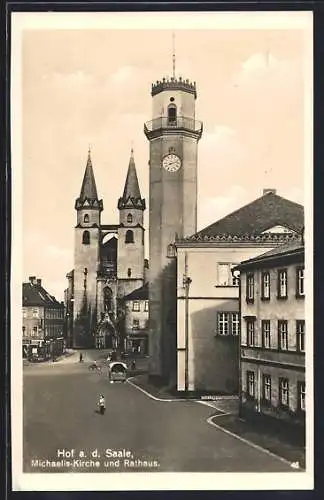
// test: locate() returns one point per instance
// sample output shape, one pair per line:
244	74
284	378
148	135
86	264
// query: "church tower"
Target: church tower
86	259
130	254
173	134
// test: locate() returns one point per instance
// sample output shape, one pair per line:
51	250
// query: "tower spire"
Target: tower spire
131	193
88	188
173	55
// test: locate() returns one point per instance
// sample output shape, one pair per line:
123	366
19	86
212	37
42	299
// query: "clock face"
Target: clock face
171	163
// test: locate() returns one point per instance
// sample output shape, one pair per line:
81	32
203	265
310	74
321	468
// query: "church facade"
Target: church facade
109	263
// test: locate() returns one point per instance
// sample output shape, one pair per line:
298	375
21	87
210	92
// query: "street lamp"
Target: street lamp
186	281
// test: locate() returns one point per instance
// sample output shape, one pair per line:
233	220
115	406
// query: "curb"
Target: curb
211	422
248	442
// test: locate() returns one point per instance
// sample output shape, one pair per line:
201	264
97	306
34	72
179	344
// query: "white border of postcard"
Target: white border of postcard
170	21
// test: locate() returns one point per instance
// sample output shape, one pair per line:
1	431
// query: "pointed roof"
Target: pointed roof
88	189
131	189
255	218
88	194
131	196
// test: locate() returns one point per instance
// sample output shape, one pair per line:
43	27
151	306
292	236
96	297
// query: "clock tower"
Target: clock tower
173	134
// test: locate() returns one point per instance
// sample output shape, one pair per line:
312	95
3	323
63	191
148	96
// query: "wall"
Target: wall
29	322
289	363
130	255
85	256
130	315
213	359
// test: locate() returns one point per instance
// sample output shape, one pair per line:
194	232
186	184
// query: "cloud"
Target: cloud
214	208
293	193
64	81
123	75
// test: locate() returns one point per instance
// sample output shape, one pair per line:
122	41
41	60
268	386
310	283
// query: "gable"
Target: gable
278	230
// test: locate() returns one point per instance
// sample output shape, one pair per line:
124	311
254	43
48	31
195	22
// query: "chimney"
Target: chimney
39	282
269	191
32	280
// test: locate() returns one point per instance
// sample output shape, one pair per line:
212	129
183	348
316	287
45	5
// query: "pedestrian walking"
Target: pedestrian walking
81	357
133	365
102	404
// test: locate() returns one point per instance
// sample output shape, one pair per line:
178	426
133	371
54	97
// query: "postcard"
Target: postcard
161	287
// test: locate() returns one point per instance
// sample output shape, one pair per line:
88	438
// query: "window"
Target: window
266	388
300	291
228	323
282	284
172	114
136	305
224	275
223	323
235	324
266	335
265	286
135	323
129	218
86	238
250	332
300	334
35	331
129	238
250	384
23	329
301	396
35	313
283	335
129	272
24	312
86	218
284	391
250	288
146	306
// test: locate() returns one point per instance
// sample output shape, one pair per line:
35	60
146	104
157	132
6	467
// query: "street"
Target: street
64	433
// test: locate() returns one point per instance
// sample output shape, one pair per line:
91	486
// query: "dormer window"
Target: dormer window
129	218
129	238
86	238
172	114
86	218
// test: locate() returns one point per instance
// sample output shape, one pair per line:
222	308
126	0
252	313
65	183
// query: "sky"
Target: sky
84	87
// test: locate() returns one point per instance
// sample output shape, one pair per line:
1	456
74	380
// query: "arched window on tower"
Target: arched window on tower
86	218
129	272
129	238
129	218
86	238
172	114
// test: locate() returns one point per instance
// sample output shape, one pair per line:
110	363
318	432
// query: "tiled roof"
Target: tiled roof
253	219
138	294
286	250
36	295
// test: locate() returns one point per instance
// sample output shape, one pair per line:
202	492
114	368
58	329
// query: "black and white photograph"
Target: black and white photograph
161	260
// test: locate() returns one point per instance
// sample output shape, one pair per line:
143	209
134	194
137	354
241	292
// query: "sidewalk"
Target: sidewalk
276	442
225	416
69	356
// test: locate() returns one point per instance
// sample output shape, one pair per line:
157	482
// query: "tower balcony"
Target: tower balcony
179	125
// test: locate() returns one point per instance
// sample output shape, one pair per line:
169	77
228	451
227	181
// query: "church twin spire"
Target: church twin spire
88	194
131	196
